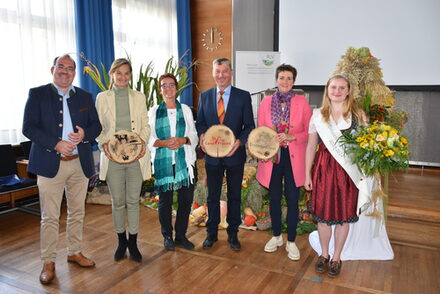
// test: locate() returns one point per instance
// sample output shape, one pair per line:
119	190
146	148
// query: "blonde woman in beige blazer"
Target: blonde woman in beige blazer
122	108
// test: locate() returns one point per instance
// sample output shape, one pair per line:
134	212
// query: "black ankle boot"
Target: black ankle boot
122	246
132	248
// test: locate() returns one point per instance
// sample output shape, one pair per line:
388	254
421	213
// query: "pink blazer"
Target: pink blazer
300	113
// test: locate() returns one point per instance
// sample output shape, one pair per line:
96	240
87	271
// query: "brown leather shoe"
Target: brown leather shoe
48	272
80	260
322	264
334	268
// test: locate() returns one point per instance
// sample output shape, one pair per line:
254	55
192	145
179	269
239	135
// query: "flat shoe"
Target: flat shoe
47	273
80	260
234	243
209	241
273	244
292	250
322	264
334	268
168	243
187	244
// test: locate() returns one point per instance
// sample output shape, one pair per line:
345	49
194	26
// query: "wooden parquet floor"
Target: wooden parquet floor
415	269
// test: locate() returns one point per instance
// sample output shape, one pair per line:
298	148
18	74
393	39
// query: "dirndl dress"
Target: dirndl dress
334	196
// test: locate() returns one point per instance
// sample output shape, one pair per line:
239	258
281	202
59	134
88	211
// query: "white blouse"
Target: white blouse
190	132
342	124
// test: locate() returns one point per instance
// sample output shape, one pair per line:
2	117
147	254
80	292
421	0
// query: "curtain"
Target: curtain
184	44
94	31
33	33
146	30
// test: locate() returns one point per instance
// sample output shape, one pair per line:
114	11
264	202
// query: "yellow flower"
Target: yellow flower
380	137
360	139
383	144
364	144
389	153
393	134
403	140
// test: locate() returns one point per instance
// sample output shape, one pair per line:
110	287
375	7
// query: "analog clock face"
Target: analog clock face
212	38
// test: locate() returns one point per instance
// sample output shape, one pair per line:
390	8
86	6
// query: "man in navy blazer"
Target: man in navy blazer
61	121
239	118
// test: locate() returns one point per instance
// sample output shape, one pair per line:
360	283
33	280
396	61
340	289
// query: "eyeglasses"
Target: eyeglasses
171	85
62	67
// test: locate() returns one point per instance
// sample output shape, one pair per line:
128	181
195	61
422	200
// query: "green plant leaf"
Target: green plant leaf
105	75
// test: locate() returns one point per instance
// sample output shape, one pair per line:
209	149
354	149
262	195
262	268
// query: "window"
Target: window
146	30
33	33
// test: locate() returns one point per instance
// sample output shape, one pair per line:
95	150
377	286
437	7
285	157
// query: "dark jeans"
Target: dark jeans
184	198
234	178
283	170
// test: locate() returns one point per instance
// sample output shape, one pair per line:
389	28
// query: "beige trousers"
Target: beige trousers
70	177
125	184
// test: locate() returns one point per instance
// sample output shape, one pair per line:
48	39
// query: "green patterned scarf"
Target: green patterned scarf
165	180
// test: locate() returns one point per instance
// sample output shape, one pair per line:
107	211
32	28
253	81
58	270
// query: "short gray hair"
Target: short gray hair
222	60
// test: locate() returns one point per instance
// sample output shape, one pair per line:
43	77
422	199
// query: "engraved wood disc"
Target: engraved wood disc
219	140
125	146
261	143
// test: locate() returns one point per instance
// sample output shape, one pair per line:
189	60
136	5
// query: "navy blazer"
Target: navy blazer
239	118
43	125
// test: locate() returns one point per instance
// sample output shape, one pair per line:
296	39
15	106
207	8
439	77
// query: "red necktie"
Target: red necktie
221	107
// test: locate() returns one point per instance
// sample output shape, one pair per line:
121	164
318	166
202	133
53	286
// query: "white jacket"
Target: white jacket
190	132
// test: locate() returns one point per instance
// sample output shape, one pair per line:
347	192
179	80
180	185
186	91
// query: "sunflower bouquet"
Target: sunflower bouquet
376	148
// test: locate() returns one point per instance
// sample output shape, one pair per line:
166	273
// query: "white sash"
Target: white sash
329	134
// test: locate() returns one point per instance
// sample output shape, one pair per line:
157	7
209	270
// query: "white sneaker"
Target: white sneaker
273	244
292	250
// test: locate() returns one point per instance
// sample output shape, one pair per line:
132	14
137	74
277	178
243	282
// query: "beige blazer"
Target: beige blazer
105	105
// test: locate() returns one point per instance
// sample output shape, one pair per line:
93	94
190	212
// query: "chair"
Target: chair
26	146
26	187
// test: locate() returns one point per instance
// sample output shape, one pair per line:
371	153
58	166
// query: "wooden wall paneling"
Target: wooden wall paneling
205	15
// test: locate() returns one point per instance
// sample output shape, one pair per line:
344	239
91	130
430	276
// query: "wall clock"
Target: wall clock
212	38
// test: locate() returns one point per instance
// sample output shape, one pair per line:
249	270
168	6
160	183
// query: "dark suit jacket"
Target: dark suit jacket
42	124
239	118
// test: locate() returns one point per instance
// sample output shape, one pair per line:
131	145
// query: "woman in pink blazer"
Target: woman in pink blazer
289	115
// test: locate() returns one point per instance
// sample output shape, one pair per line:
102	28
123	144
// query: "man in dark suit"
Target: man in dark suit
235	112
61	121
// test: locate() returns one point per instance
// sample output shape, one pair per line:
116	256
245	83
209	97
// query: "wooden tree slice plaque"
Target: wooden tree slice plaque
262	143
218	141
125	146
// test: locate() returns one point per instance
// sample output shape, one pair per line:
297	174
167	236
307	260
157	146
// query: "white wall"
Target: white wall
404	34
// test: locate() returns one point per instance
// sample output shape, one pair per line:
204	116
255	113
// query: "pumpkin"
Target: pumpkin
250	220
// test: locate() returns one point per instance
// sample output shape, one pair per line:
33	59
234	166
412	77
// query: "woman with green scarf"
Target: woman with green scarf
172	144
